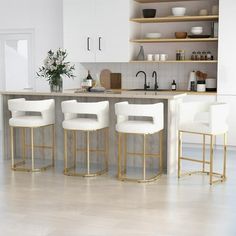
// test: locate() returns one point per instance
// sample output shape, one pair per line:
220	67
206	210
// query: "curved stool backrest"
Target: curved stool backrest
20	106
156	111
72	108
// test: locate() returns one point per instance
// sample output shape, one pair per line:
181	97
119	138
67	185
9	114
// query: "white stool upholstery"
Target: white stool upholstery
206	119
73	122
125	126
23	117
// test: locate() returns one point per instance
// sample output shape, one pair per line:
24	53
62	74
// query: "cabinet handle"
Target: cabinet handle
88	43
99	43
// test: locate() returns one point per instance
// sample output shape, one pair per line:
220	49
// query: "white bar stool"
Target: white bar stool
73	122
23	116
125	126
205	119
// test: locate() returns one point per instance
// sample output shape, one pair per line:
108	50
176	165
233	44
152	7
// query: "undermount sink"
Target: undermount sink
150	90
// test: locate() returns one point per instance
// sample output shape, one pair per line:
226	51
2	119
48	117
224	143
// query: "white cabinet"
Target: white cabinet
193	138
96	30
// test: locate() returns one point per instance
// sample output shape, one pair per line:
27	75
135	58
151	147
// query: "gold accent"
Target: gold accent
122	172
71	171
211	173
18	166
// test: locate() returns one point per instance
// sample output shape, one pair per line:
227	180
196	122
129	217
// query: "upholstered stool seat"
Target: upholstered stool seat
206	119
98	119
31	114
148	120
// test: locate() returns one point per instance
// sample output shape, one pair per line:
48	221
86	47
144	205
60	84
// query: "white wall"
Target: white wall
227	48
44	16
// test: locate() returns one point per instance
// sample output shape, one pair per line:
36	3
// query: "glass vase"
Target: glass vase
56	85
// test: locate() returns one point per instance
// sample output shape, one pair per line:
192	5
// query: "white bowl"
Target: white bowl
196	30
153	35
178	11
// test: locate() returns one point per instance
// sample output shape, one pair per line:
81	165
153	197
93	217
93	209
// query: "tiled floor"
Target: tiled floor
51	204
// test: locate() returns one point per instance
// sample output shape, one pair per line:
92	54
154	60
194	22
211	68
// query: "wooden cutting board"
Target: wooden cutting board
115	80
105	79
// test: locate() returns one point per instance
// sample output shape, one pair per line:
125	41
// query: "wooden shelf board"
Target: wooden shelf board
175	19
153	1
174	61
173	40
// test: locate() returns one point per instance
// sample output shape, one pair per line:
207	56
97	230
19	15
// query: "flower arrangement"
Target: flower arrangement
55	67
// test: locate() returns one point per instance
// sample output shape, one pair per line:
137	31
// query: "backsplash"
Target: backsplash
166	73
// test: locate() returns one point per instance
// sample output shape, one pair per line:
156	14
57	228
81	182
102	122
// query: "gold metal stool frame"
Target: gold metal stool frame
221	177
122	171
17	166
67	170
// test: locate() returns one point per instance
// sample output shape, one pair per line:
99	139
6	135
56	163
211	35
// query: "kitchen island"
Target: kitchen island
170	100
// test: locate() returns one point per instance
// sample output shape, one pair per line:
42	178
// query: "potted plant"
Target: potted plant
54	68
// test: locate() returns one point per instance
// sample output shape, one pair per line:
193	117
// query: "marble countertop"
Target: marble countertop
108	94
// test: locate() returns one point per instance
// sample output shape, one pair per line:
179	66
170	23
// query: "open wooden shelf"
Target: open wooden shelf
173	40
153	1
174	61
175	19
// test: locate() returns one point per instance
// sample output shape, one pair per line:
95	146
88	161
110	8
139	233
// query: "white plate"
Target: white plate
153	35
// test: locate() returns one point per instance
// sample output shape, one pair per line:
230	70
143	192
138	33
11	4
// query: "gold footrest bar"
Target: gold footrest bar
23	169
39	146
201	172
151	179
69	173
194	160
91	150
20	163
141	154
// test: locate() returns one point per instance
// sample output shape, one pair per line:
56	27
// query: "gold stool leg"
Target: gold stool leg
160	150
204	153
144	157
179	153
12	147
65	151
125	153
32	148
53	145
88	157
75	147
119	155
23	145
225	155
211	159
107	147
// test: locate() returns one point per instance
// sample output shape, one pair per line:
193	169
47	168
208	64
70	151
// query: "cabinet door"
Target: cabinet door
112	28
78	29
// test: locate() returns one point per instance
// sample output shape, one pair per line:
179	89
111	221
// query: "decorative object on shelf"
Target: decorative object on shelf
141	56
163	57
214	29
153	35
181	35
54	68
157	57
192	81
211	84
215	10
173	86
203	12
178	11
149	57
199	36
197	30
180	55
149	13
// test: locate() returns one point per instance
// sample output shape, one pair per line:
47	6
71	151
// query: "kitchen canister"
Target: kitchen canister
201	86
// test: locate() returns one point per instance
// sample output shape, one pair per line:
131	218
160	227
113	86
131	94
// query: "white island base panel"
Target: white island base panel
135	143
